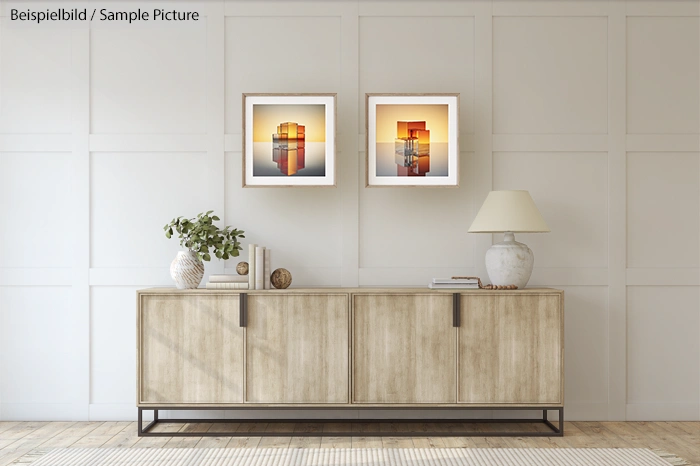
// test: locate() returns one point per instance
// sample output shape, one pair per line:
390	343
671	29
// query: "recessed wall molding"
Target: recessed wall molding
569	276
233	142
662	411
282	8
663	276
661	8
32	276
36	143
545	8
437	8
663	142
148	142
550	142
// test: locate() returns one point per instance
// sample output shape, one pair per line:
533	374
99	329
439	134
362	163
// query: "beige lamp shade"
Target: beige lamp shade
513	211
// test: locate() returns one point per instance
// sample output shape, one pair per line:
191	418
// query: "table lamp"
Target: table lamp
509	212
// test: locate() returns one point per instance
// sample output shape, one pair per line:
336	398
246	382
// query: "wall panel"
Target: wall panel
302	226
39	352
407	227
283	58
133	195
663	350
663	192
35	205
404	227
112	345
586	336
29	102
567	188
550	75
663	71
109	132
419	54
148	80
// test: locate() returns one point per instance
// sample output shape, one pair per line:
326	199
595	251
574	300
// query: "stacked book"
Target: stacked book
259	267
228	282
454	283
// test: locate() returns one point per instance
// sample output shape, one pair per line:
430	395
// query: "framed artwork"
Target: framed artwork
412	139
289	140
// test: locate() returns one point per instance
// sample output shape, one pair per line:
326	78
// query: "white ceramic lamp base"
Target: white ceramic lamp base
509	262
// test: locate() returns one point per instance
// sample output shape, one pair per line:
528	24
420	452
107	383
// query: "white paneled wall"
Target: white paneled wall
107	133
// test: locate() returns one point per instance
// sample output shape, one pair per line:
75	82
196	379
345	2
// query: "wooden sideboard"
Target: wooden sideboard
350	348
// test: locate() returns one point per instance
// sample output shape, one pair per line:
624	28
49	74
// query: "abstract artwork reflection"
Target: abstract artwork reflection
288	148
412	148
289	140
412	140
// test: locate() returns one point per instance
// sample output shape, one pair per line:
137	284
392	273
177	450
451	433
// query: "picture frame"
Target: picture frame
412	140
289	140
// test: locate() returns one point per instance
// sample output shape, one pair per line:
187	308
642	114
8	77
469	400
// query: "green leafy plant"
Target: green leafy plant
200	234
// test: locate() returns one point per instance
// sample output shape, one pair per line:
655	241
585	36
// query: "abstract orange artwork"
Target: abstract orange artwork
412	148
412	139
289	140
289	148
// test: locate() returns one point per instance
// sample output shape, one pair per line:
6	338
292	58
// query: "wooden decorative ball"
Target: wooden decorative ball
242	268
281	279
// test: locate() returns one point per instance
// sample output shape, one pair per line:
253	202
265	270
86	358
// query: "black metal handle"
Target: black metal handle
456	314
243	309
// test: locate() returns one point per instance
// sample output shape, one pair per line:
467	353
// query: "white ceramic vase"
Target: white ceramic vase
187	270
509	262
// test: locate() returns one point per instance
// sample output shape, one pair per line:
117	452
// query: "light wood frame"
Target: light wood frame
367	138
329	131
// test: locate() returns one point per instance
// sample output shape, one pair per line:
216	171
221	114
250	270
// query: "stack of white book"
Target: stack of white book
228	282
454	283
259	267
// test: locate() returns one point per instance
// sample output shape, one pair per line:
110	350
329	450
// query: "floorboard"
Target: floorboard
18	439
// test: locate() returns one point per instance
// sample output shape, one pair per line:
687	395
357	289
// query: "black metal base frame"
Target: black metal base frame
556	431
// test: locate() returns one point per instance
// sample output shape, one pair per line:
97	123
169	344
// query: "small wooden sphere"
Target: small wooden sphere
281	279
242	268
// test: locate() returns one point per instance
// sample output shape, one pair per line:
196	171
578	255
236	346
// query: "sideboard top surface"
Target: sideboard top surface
364	290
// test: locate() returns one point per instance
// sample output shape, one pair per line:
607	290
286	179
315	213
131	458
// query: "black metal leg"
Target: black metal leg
556	431
561	421
145	431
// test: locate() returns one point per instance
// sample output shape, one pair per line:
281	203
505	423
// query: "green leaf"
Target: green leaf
215	218
206	257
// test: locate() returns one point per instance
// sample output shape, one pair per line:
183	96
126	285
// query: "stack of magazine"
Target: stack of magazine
228	282
454	283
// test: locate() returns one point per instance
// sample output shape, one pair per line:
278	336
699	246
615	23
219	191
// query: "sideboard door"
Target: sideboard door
510	349
297	348
404	349
190	349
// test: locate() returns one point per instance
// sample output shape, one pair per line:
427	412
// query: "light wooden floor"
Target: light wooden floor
20	438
